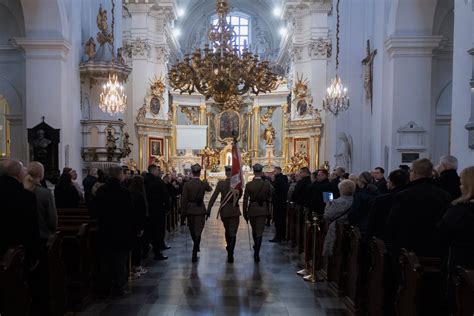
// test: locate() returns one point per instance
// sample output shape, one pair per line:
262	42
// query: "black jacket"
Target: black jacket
414	216
157	195
115	214
378	214
300	193
140	210
281	187
450	182
18	219
455	229
66	196
359	212
315	195
382	186
88	183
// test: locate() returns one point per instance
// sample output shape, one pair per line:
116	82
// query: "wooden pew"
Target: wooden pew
353	263
464	291
291	229
376	277
420	286
15	299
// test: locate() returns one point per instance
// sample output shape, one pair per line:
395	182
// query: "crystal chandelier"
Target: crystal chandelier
337	99
112	99
222	71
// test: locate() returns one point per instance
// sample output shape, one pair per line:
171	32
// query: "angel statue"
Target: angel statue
102	20
126	150
269	134
90	49
344	152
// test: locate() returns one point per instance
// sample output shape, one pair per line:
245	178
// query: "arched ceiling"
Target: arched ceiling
196	11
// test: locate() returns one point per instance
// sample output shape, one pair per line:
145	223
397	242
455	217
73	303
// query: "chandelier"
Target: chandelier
337	99
112	99
222	71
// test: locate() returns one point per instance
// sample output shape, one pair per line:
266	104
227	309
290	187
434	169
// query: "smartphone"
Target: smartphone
327	196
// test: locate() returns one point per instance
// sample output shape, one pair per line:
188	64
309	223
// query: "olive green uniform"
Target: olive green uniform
229	213
257	199
192	206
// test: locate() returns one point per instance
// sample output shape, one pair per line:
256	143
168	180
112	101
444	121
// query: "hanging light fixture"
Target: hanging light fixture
222	71
337	98
112	99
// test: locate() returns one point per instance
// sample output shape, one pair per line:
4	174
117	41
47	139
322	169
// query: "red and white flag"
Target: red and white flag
236	179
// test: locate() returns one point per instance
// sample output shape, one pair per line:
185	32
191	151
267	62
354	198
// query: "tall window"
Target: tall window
241	27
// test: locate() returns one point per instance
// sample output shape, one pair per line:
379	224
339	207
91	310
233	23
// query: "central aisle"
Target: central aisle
214	287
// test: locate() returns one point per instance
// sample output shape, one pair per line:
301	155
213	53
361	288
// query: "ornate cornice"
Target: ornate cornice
320	48
41	48
412	46
137	47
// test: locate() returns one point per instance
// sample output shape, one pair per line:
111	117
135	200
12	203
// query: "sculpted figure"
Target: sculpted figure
110	145
90	49
344	151
126	145
40	146
269	134
102	20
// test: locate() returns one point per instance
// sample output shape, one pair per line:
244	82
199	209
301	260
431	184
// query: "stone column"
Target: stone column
284	140
409	75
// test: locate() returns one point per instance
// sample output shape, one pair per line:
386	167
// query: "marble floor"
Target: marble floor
214	287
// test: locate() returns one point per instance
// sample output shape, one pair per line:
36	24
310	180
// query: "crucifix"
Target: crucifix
368	63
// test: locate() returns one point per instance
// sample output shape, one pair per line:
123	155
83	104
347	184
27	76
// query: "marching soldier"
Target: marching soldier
257	199
192	206
229	211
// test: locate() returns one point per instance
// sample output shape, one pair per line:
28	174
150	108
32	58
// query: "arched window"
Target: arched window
241	25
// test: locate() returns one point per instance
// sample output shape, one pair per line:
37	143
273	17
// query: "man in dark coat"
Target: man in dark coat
88	183
315	196
382	204
299	195
18	215
448	176
281	186
115	232
158	204
416	211
380	182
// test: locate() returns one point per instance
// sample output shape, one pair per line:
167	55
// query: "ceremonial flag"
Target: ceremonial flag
236	180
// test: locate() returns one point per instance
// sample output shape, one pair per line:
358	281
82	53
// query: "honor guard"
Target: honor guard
192	206
257	199
228	211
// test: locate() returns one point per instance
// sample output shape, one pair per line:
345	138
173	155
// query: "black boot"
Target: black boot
230	249
258	244
198	241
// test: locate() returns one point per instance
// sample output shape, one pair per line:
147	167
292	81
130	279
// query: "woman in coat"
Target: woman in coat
335	211
140	208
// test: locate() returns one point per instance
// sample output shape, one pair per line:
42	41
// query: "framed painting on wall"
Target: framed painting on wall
155	148
302	145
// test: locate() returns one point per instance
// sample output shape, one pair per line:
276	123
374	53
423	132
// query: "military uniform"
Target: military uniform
229	214
192	206
257	199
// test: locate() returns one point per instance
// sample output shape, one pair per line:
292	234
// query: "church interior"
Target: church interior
332	90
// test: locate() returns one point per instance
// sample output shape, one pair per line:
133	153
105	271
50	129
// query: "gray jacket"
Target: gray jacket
332	211
47	214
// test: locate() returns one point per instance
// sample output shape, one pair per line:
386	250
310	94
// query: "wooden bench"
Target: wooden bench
464	291
15	299
376	277
336	262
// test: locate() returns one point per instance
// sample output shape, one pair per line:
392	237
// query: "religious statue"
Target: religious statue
110	145
126	150
40	147
120	58
344	152
368	63
90	49
142	113
102	20
269	134
246	159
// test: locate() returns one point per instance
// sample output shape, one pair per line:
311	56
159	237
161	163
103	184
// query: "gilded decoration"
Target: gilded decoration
155	99
269	134
302	100
268	115
233	103
297	161
227	123
103	36
211	158
192	114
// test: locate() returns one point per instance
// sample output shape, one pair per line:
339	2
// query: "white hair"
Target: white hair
346	187
449	162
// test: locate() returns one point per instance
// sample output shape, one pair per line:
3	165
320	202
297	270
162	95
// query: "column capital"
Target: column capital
43	48
412	46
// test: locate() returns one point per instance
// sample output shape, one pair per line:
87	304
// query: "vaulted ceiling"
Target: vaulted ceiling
196	11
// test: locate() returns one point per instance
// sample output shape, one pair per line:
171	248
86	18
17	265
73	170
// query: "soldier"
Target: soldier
192	206
259	193
229	211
